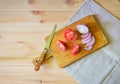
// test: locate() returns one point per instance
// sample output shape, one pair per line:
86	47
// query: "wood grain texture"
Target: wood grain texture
35	17
43	5
23	26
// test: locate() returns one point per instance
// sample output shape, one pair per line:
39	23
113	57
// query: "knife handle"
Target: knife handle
39	60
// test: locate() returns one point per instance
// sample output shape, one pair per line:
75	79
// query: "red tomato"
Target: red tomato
75	49
68	30
70	35
61	45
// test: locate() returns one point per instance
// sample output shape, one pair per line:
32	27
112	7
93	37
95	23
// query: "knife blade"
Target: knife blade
39	60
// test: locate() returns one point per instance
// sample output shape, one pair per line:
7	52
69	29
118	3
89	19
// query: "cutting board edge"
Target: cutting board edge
67	64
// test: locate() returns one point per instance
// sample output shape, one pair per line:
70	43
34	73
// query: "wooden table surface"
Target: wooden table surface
23	26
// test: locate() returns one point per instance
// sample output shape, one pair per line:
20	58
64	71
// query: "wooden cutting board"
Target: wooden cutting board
64	58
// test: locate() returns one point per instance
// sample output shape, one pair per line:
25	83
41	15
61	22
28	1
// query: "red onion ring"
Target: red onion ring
85	35
82	28
90	43
87	39
88	47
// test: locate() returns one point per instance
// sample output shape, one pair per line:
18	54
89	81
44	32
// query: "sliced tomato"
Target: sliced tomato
61	45
68	30
75	49
70	35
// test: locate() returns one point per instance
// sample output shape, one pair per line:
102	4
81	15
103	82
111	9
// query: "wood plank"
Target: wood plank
27	5
17	74
35	16
28	28
26	74
20	44
56	5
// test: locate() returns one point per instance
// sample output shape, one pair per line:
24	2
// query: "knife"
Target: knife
39	60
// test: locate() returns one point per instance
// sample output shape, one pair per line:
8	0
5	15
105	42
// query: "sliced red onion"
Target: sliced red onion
85	35
88	47
90	43
82	28
87	39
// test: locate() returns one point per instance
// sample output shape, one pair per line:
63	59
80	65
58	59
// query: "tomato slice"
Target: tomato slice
75	49
68	30
70	35
61	45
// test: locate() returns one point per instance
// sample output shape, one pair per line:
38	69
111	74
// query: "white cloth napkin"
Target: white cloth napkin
103	65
